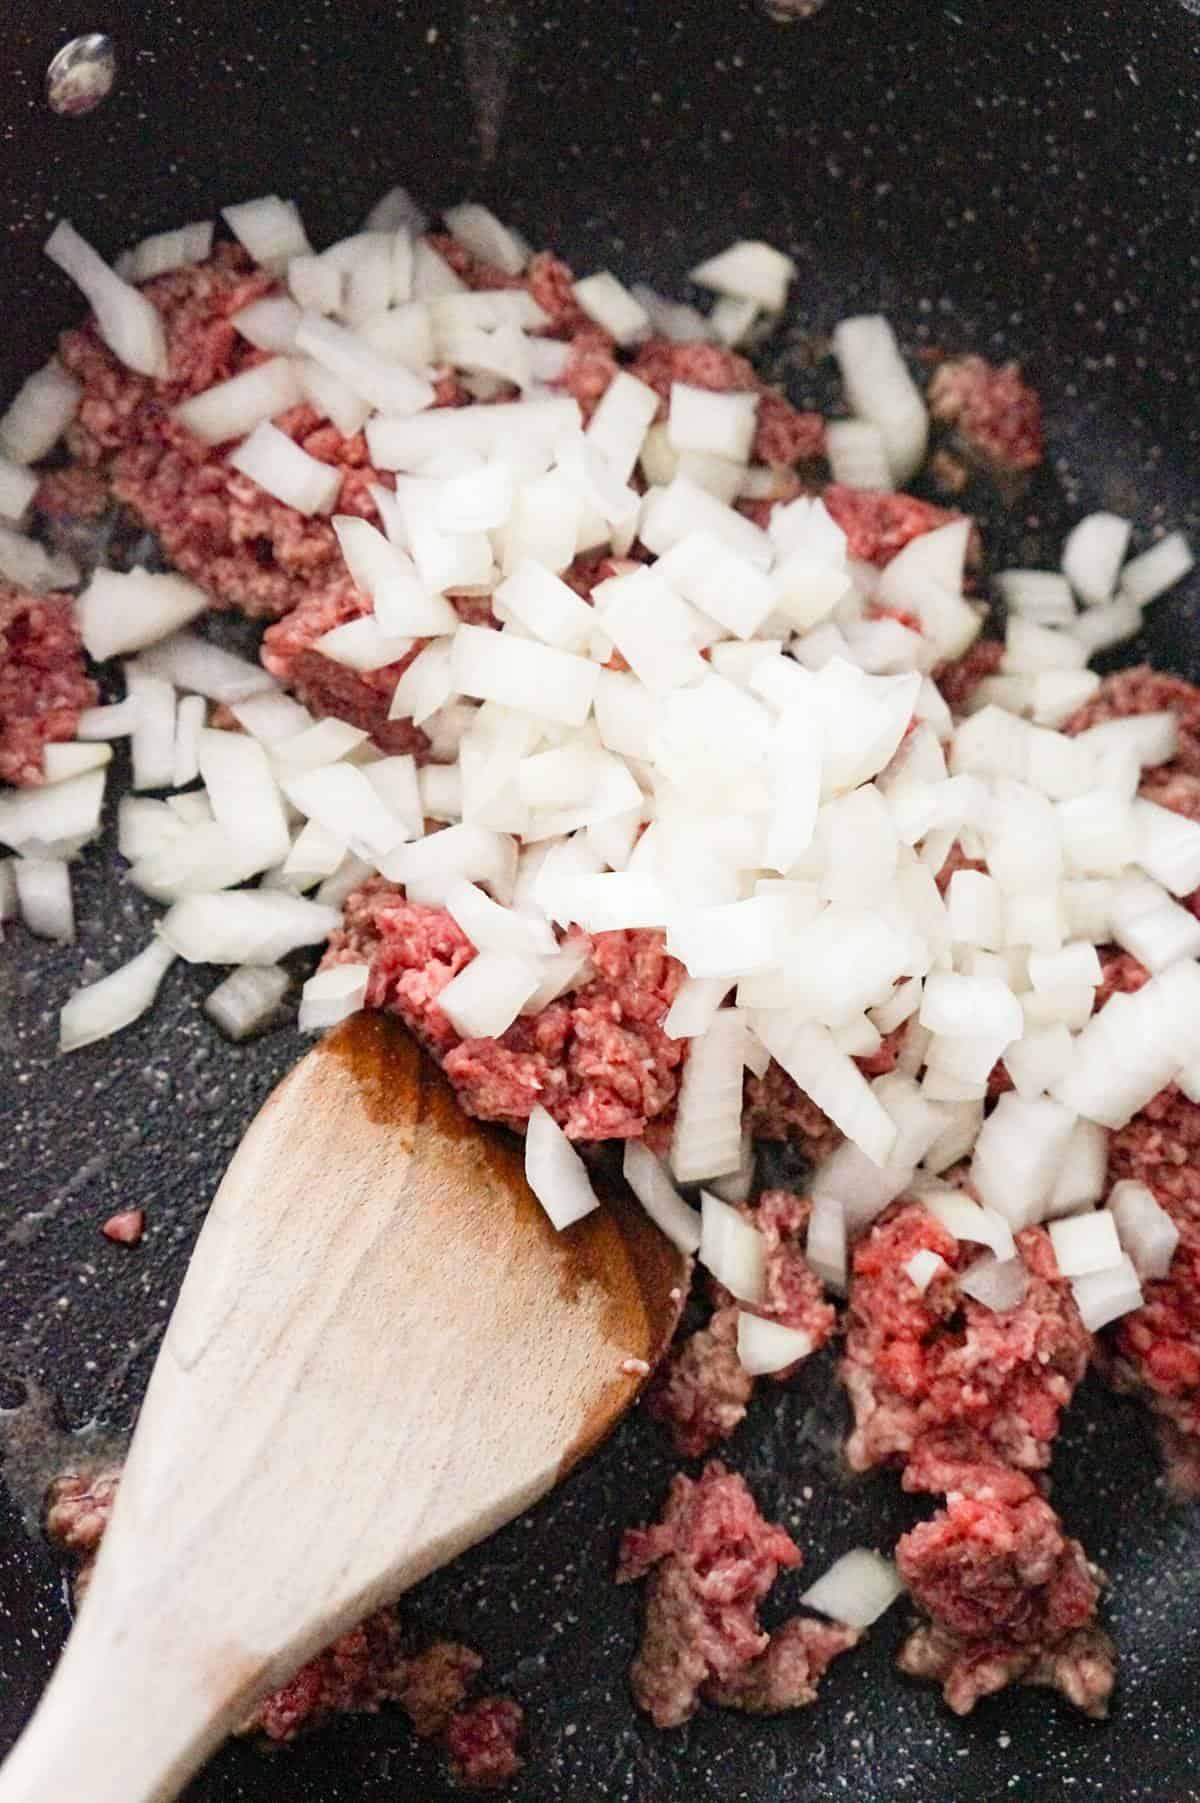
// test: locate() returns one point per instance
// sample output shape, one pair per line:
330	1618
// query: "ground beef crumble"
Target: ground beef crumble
701	1391
43	683
711	1560
995	412
380	1661
597	1059
783	435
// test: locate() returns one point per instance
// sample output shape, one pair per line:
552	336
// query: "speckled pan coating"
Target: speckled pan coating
1014	178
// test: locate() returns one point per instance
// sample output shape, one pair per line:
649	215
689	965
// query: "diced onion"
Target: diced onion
1103	1296
17	489
1092	555
61	762
480	232
283	469
748	270
494	667
39	414
152	744
857	453
29	565
1018	1155
1084	1243
1000	1284
1082	1172
648	1179
332	995
243	793
192	663
707	1141
1147	1232
1145	578
732	1248
340	798
923	1267
245	926
129	324
44	898
233	408
879	388
116	1001
487	995
270	228
554	1170
388	386
248	1000
608	302
857	1589
765	1346
120	612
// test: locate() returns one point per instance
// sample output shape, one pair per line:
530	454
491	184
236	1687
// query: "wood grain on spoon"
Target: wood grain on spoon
381	1352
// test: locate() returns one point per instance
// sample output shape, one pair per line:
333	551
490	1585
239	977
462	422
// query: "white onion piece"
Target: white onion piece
1082	1173
432	865
130	326
1168	847
954	1005
271	717
116	1001
245	926
707	1141
432	275
1039	595
554	1170
408	442
362	645
519	674
17	489
1074	964
163	252
1154	738
830	1079
731	320
879	388
1145	578
999	1284
724	585
857	453
962	1118
1018	1156
748	270
700	419
1092	554
1030	648
671	319
315	285
39	413
861	1188
765	1346
28	564
1085	1243
857	1589
44	898
243	793
120	612
618	427
340	798
233	408
825	1246
194	808
269	324
1056	694
695	1006
1099	832
1145	922
350	875
152	744
332	995
966	1220
1133	1047
387	386
670	514
610	304
271	229
648	1179
325	742
201	668
315	854
190	717
247	1000
1109	624
480	232
283	469
491	928
1039	1059
144	827
426	685
196	860
394	780
923	1267
1147	1232
332	398
732	1248
63	761
568	968
1104	1296
729	941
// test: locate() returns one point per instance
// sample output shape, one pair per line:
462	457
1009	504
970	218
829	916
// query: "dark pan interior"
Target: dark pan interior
1017	179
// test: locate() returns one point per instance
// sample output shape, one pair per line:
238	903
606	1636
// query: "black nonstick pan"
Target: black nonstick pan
1018	179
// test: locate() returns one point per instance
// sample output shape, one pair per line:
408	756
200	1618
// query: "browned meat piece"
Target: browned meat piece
481	1739
711	1559
997	414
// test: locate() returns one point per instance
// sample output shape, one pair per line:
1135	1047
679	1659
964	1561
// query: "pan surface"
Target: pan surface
1018	180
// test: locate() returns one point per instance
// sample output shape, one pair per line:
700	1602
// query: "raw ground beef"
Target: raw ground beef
918	1364
878	525
995	412
782	434
381	1661
777	1108
43	683
597	1059
959	680
1009	1599
701	1391
711	1560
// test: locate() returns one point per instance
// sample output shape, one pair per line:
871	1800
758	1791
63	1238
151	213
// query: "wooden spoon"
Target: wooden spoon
381	1352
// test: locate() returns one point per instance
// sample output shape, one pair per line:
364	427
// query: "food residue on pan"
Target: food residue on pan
634	736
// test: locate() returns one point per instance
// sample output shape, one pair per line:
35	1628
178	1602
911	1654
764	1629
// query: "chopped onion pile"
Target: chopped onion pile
738	743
